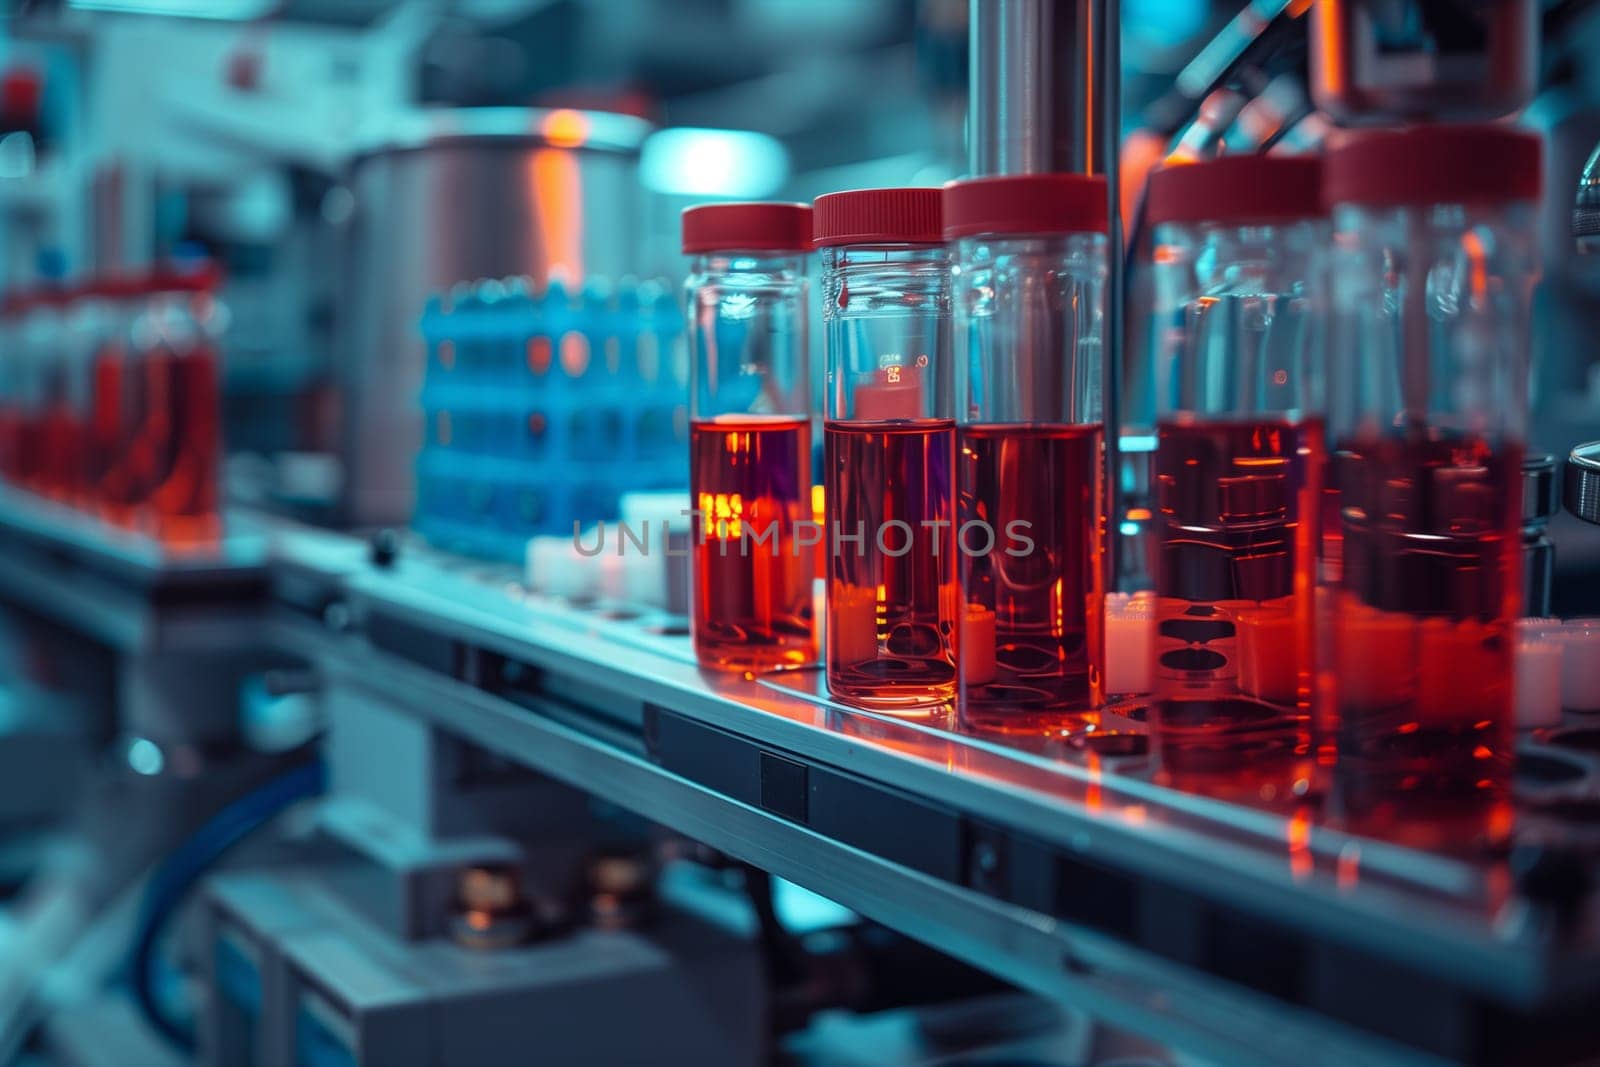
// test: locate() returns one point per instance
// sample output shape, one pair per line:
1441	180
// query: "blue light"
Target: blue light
144	757
1164	23
801	911
221	10
699	162
1129	529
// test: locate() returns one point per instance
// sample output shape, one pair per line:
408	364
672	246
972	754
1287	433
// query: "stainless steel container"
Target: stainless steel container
454	195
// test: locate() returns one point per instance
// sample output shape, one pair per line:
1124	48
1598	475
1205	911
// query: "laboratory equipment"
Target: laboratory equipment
1028	277
172	454
558	191
1433	265
1395	60
57	429
1582	482
889	442
1541	500
543	407
750	435
107	330
1238	470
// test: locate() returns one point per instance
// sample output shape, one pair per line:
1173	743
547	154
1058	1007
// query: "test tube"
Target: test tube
889	433
1240	398
750	436
1435	254
1028	276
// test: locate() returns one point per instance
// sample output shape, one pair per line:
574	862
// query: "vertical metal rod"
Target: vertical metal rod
1033	87
1108	24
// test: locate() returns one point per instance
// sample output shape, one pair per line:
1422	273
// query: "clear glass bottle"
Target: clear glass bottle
39	375
1240	397
175	451
750	436
1434	260
889	432
1029	278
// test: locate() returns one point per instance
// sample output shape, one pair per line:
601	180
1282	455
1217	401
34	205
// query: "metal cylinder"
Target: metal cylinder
1036	90
456	195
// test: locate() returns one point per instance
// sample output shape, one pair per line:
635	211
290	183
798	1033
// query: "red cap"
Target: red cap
201	277
878	216
1236	189
747	228
1434	165
20	91
1022	204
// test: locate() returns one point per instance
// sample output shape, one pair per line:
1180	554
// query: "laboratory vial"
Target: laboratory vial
754	545
39	352
12	392
1434	258
105	332
1240	398
889	434
1028	279
57	428
174	448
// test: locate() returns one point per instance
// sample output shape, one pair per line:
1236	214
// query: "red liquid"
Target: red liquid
11	430
183	502
60	471
752	600
1238	503
1032	638
110	423
165	474
891	618
1422	648
28	459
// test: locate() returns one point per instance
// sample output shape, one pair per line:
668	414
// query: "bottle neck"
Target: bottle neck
910	256
771	263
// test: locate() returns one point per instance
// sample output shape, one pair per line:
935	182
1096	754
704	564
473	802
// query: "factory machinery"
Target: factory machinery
344	794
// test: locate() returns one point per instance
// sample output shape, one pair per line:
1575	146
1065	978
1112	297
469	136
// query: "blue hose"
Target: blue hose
178	874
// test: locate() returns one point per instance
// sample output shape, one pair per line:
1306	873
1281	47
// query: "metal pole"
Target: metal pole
1108	24
1035	87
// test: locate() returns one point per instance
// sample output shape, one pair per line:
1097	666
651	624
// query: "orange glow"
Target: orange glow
1349	866
565	128
1328	60
1139	514
539	354
1298	833
1478	256
574	353
558	201
722	514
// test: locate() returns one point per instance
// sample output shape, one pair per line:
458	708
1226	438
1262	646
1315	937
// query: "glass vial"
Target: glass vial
174	460
750	436
1029	277
1434	260
889	432
1240	398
